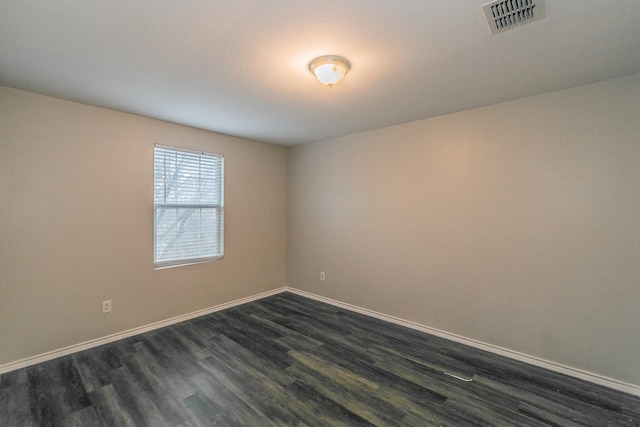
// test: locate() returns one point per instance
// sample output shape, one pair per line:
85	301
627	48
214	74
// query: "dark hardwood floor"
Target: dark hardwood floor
290	361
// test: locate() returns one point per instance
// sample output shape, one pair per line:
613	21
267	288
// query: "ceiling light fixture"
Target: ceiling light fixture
330	69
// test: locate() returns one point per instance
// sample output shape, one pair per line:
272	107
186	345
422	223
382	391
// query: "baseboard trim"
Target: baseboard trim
531	360
54	354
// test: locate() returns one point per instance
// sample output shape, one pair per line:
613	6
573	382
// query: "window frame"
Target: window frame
219	207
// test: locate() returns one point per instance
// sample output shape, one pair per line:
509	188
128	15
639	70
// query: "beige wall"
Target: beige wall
516	224
76	224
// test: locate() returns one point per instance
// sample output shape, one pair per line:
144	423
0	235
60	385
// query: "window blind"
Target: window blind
188	206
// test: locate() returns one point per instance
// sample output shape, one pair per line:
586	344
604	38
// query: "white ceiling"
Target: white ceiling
240	66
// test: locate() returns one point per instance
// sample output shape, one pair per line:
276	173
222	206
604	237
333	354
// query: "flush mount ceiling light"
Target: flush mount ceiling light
330	69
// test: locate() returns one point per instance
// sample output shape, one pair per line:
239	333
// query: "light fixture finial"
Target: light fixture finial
329	69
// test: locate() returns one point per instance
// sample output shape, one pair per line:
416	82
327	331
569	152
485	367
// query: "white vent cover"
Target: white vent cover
503	15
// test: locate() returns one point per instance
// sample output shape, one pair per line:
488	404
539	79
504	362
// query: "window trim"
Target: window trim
220	207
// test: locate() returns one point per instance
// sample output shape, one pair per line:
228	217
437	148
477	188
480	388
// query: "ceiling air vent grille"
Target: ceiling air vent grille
503	15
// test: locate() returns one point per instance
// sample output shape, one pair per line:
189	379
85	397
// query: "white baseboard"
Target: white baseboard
552	366
531	360
50	355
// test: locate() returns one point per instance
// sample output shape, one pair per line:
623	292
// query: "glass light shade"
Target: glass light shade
329	70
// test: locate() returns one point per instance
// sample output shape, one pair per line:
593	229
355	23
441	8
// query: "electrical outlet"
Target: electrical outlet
106	306
322	276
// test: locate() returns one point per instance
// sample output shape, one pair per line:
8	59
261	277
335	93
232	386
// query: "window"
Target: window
188	200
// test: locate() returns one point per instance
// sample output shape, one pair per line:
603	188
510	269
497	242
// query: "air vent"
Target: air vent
504	15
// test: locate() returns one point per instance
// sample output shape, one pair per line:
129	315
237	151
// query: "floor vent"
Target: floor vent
504	15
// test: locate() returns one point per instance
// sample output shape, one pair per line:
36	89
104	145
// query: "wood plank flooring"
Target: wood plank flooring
291	361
